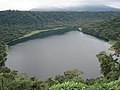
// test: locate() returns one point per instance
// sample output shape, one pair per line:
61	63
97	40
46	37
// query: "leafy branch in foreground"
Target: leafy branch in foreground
110	66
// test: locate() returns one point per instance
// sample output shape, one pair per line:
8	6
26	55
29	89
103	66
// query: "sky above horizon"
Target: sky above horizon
29	4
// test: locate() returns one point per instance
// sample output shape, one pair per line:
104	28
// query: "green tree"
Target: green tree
116	48
110	67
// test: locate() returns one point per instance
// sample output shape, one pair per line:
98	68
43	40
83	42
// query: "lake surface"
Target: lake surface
50	56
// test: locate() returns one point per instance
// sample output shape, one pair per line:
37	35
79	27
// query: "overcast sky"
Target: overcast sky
29	4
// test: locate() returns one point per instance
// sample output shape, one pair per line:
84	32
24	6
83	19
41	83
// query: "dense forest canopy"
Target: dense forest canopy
14	24
104	25
108	29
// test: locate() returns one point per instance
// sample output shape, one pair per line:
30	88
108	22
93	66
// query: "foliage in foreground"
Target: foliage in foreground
12	80
99	85
70	85
110	66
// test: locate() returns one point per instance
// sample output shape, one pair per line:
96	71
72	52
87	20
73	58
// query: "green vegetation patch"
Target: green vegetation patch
3	52
39	31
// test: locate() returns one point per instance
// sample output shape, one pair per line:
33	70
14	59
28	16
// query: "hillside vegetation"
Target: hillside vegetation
108	29
14	24
20	24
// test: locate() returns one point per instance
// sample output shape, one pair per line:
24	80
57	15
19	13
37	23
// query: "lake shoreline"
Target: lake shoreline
2	63
49	32
68	47
44	33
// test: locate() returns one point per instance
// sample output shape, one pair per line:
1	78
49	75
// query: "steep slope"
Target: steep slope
107	29
14	24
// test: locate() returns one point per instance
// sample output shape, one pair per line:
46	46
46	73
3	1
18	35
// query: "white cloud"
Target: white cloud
114	4
17	4
28	4
58	3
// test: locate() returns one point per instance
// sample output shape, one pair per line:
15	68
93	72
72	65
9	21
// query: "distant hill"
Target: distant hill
48	9
92	8
79	8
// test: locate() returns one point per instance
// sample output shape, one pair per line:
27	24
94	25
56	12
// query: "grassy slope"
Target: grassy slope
39	31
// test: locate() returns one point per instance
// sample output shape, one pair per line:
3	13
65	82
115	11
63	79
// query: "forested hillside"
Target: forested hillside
14	24
104	25
108	29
